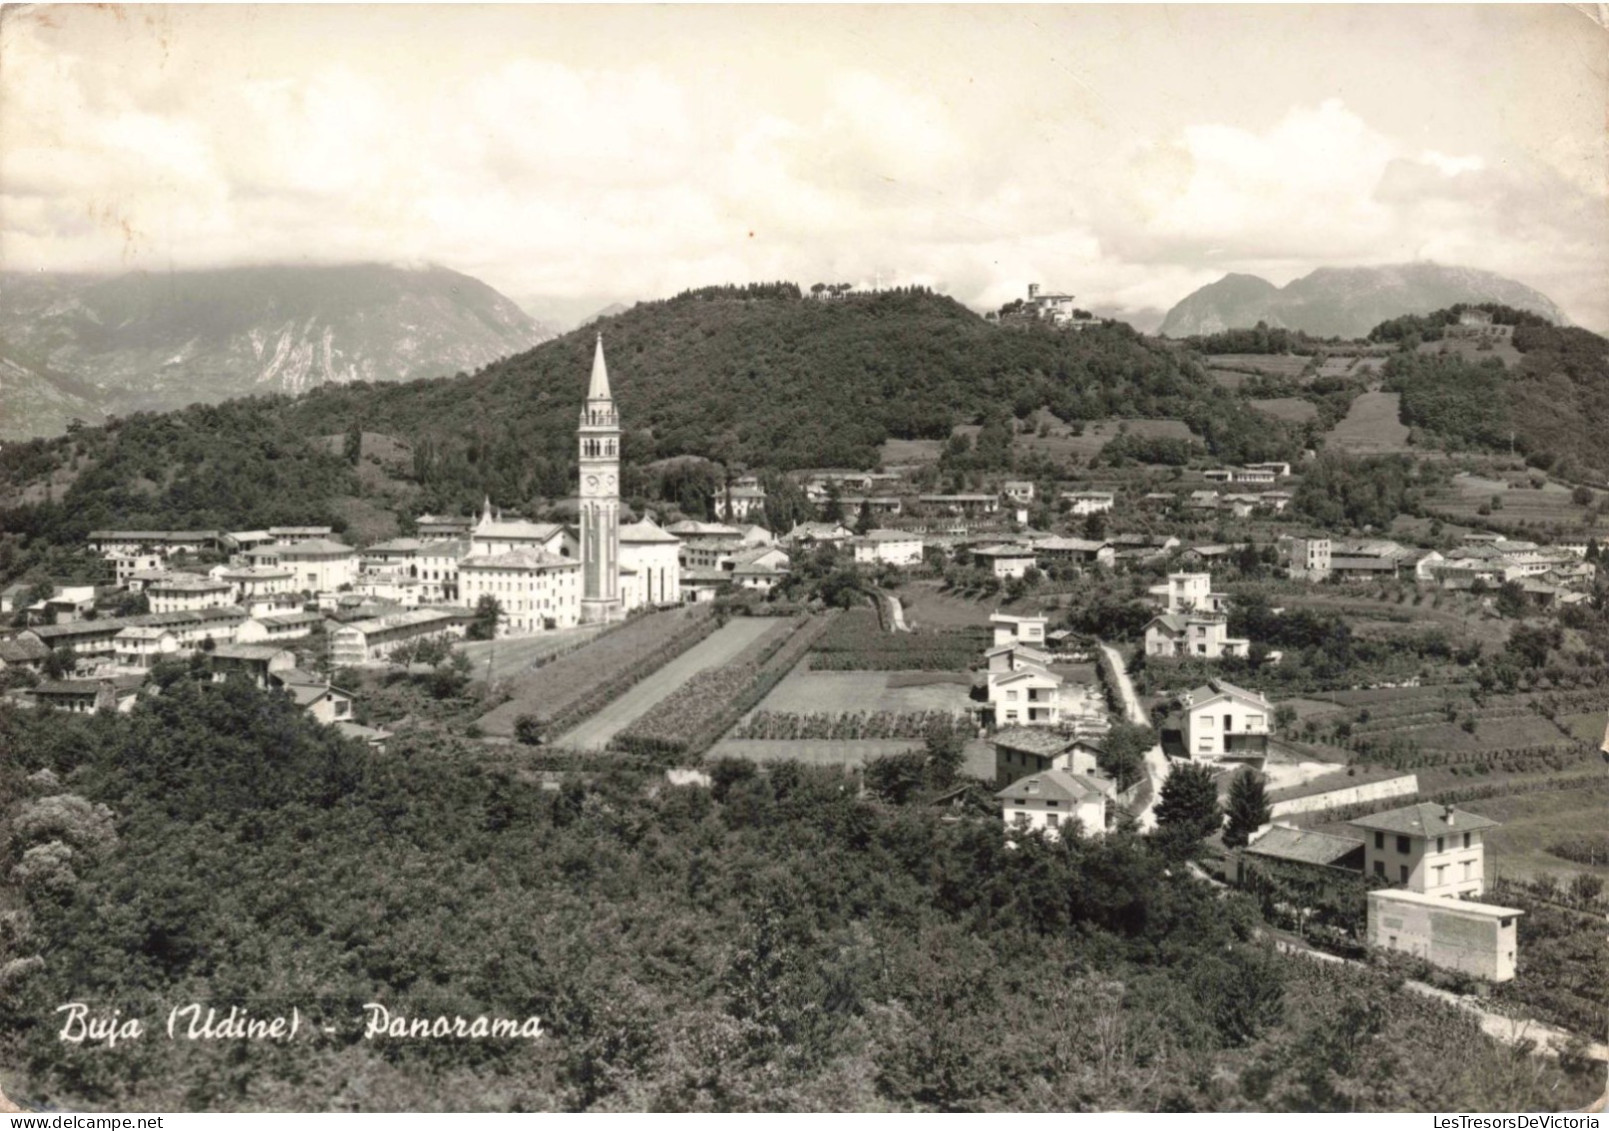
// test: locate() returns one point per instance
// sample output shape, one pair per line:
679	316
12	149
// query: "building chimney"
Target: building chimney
1447	814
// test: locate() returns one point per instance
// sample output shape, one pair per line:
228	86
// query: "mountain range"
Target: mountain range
1346	302
91	346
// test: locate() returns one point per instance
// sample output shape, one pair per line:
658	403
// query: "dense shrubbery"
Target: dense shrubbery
1587	848
773	942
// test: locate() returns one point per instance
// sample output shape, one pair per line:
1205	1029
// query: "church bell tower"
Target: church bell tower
600	498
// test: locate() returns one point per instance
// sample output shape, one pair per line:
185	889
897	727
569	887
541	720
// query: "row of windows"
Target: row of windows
1405	844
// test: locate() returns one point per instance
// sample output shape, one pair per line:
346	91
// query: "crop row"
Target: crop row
692	718
1587	848
856	642
580	684
847	725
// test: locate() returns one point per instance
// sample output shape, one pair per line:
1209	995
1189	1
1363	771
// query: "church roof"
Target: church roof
645	531
599	389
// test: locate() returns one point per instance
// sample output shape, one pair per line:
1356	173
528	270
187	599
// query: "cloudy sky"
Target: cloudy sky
573	156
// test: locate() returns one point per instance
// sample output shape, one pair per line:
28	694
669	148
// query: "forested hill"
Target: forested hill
759	377
764	377
1554	403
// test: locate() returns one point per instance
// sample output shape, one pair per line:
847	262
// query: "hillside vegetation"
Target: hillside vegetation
759	377
1555	403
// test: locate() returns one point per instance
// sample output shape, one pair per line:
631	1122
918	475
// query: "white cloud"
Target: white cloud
552	172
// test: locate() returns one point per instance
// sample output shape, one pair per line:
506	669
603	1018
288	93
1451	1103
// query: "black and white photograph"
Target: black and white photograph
974	558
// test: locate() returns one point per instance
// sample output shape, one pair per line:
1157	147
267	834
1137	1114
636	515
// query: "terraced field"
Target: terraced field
1373	426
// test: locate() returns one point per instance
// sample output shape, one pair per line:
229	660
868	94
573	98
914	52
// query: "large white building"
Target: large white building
186	592
317	564
534	589
890	547
1429	848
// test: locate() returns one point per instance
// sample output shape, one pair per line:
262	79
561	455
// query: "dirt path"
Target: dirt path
1510	1030
714	650
1156	762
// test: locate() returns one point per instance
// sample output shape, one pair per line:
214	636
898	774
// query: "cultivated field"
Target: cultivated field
574	686
1546	505
897	452
1372	426
811	751
928	606
1293	410
513	656
1062	445
724	644
1469	349
1534	821
1274	365
812	692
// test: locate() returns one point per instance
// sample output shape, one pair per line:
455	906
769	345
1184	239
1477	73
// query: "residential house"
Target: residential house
1076	551
105	695
1030	695
818	533
1018	490
1367	559
1309	557
1429	848
1222	721
1202	500
1020	750
438	563
259	589
277	628
1088	502
1201	636
256	662
692	533
1279	470
1009	629
137	648
961	503
25	653
315	695
110	543
888	547
1142	546
1006	561
700	585
125	566
1289	850
739	503
1049	801
881	506
184	592
1276	501
1190	593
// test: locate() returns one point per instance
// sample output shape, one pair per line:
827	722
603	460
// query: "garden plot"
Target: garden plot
811	692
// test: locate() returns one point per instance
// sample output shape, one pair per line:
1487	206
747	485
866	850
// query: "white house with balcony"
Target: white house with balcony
1220	720
1202	636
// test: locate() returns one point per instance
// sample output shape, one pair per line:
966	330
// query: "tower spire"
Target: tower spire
599	389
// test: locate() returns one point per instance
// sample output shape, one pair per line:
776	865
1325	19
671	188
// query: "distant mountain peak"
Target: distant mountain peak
1346	302
158	340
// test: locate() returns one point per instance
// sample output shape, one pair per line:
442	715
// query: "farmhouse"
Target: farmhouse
1006	561
257	662
27	654
1083	551
89	696
961	504
888	547
1221	721
1367	559
1048	801
1026	749
1429	848
1309	558
1304	847
137	648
